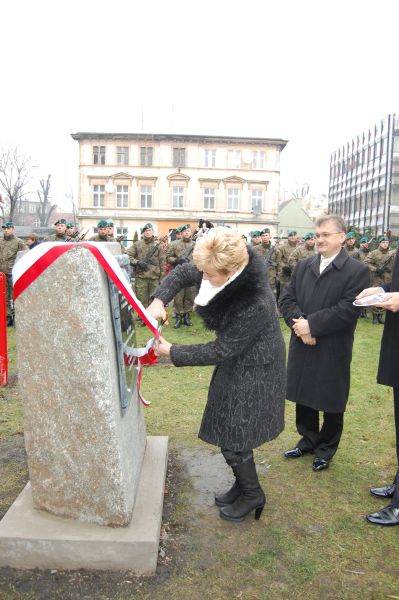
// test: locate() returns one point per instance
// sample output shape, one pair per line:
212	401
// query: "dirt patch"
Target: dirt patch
13	450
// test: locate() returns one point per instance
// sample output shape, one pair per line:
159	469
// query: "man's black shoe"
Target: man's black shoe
386	491
294	453
387	517
319	464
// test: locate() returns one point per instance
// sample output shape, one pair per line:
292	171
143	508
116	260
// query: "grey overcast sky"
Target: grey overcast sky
313	72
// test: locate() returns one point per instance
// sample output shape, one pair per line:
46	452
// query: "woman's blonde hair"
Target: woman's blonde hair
222	250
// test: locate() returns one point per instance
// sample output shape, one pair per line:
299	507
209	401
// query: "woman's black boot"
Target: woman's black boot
252	496
230	496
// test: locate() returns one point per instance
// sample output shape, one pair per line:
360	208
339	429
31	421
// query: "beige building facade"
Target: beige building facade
170	180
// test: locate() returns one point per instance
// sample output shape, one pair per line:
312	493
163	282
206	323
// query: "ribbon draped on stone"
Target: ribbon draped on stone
35	262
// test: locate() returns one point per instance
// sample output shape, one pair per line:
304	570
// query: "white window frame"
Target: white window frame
99	155
122	196
234	159
123	231
177	197
233	199
146	196
258	159
210	158
98	195
256	200
122	155
208	198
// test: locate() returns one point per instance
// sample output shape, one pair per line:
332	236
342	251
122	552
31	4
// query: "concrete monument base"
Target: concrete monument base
31	538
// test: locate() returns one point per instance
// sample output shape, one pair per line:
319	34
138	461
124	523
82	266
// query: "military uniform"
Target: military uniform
10	245
148	260
178	253
380	263
100	238
271	254
300	253
56	237
285	253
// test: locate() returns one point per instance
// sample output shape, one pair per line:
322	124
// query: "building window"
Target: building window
233	197
98	195
146	156
256	201
177	197
210	158
122	196
234	159
209	195
146	196
122	155
99	155
179	157
258	160
122	231
32	208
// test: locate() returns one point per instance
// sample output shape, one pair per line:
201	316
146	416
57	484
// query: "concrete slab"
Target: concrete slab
31	538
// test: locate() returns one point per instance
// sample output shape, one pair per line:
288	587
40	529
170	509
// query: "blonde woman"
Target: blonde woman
246	396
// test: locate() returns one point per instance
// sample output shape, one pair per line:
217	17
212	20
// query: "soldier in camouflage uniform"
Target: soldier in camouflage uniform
102	234
60	232
380	263
303	251
256	238
285	252
272	257
179	253
350	244
363	251
148	260
10	245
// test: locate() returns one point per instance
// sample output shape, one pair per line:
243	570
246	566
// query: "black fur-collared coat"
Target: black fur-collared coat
246	396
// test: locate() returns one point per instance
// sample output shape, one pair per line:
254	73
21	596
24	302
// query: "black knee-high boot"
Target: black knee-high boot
252	496
230	496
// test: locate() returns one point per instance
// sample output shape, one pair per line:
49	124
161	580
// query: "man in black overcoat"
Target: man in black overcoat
317	305
388	374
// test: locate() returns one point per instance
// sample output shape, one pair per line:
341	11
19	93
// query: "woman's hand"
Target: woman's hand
162	347
157	310
369	292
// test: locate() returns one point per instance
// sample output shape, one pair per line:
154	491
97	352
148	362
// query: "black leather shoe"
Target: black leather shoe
387	517
386	491
319	464
294	453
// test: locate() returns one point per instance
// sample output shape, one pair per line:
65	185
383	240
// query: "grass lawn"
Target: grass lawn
312	541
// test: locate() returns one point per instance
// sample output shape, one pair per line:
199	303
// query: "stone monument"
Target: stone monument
96	480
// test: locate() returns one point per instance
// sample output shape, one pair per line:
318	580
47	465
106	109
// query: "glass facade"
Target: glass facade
364	179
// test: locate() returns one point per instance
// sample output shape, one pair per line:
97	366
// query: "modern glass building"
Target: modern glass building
364	179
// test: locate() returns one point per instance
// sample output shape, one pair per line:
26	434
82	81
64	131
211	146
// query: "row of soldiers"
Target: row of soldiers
282	259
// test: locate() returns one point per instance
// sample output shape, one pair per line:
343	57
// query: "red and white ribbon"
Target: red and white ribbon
35	262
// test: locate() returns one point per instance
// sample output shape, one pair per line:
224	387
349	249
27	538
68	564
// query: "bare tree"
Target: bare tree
45	207
15	173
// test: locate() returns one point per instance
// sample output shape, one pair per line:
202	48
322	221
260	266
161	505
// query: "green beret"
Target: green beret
350	235
60	222
187	226
178	230
308	236
255	234
147	226
266	230
102	223
291	232
70	225
364	240
110	223
7	224
383	238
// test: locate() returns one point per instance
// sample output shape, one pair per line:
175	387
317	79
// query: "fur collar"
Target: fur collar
251	283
